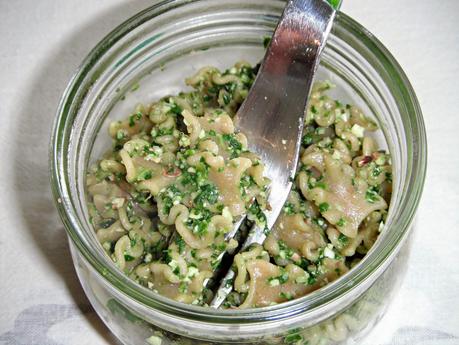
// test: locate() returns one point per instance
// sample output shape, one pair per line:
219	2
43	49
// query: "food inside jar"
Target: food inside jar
179	175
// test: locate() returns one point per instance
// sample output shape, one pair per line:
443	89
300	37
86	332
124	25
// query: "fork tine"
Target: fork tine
256	235
224	289
230	235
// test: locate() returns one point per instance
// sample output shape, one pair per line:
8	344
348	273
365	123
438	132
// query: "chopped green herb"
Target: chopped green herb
226	98
372	194
134	118
287	295
307	139
234	146
199	221
285	252
321	185
343	239
208	195
376	171
293	338
324	207
180	244
255	213
183	287
289	208
175	109
120	134
312	280
283	278
143	174
341	222
388	176
266	41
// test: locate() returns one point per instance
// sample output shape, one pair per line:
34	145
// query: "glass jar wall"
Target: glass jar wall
151	54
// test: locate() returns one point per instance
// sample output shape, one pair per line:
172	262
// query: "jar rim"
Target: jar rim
374	261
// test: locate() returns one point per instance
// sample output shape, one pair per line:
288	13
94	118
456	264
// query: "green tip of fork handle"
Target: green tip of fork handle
336	4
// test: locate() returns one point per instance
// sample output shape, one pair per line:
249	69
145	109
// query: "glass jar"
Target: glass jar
148	57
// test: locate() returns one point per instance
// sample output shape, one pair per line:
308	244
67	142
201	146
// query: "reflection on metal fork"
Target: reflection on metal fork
272	115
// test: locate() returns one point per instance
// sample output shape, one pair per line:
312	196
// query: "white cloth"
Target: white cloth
42	43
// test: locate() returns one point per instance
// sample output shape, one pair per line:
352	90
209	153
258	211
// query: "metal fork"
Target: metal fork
272	115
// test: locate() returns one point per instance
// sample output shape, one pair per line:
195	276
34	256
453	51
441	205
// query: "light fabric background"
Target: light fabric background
41	44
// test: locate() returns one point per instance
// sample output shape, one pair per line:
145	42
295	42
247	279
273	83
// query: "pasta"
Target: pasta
179	176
